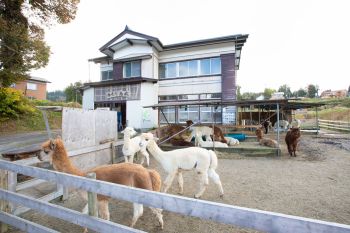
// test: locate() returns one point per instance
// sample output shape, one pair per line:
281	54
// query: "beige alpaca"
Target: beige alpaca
265	141
128	174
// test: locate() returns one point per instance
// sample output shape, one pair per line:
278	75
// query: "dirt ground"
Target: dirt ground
315	184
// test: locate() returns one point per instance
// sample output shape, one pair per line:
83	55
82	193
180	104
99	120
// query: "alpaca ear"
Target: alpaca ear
52	144
155	139
58	137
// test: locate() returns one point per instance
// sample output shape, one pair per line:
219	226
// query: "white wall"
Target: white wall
198	85
88	99
197	52
127	36
139	117
147	68
136	49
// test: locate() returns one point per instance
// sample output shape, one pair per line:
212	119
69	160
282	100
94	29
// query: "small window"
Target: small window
215	65
193	68
162	70
106	75
31	86
205	66
171	70
132	69
183	69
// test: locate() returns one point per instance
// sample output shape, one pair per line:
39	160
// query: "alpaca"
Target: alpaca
203	161
232	141
133	175
132	146
296	123
292	139
181	139
266	124
202	143
265	141
283	125
218	135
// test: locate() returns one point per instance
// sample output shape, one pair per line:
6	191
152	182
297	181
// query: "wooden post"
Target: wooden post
92	198
12	184
4	205
113	152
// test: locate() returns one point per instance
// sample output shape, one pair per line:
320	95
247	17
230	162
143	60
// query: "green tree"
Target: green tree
268	93
300	93
286	90
312	91
57	95
250	95
22	45
72	92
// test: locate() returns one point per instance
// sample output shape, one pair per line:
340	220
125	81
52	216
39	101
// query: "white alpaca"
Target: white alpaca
232	141
296	123
203	161
205	131
283	125
202	143
133	145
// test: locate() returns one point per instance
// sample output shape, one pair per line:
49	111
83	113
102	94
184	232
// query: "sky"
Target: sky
293	42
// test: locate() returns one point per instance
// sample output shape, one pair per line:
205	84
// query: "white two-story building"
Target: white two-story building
138	70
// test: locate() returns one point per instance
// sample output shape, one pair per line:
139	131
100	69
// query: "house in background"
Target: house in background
334	94
138	70
33	88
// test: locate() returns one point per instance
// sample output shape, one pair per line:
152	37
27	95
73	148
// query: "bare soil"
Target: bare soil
315	184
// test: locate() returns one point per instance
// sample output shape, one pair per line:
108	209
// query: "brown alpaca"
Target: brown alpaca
265	141
128	174
218	135
169	130
292	139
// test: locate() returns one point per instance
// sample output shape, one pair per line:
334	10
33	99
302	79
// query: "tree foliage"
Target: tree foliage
22	45
312	91
268	93
56	95
72	92
286	90
300	93
13	103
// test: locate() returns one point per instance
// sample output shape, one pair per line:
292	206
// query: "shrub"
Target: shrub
13	103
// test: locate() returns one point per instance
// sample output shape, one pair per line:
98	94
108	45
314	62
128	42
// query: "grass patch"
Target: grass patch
31	122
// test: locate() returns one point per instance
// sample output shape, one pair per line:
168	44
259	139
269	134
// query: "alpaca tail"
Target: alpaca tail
156	180
213	160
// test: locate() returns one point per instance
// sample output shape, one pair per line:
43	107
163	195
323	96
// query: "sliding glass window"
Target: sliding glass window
191	68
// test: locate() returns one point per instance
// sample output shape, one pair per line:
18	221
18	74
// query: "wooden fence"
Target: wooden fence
228	214
335	125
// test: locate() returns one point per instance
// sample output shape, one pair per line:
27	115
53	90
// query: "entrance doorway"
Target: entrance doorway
120	108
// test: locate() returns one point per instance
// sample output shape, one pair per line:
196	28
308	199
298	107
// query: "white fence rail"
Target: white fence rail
335	125
234	215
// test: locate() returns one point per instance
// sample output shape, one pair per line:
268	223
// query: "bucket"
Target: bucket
238	136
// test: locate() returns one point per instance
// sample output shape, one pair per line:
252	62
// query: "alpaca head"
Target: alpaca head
48	149
146	138
129	131
259	133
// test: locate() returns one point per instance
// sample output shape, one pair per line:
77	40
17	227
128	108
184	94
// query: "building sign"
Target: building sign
120	92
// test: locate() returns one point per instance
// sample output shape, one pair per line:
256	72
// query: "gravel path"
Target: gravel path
315	184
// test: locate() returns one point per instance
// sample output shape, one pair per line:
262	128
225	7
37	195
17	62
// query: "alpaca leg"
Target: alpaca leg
216	179
138	211
180	181
103	209
144	155
203	184
168	181
85	210
159	216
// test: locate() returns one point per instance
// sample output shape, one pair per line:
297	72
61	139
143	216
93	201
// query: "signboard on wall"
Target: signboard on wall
120	92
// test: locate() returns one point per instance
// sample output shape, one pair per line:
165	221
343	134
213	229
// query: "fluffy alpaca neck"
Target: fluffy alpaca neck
62	163
127	140
157	153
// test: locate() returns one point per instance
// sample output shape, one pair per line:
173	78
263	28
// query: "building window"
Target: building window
106	75
32	86
208	66
210	114
132	69
169	114
188	113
